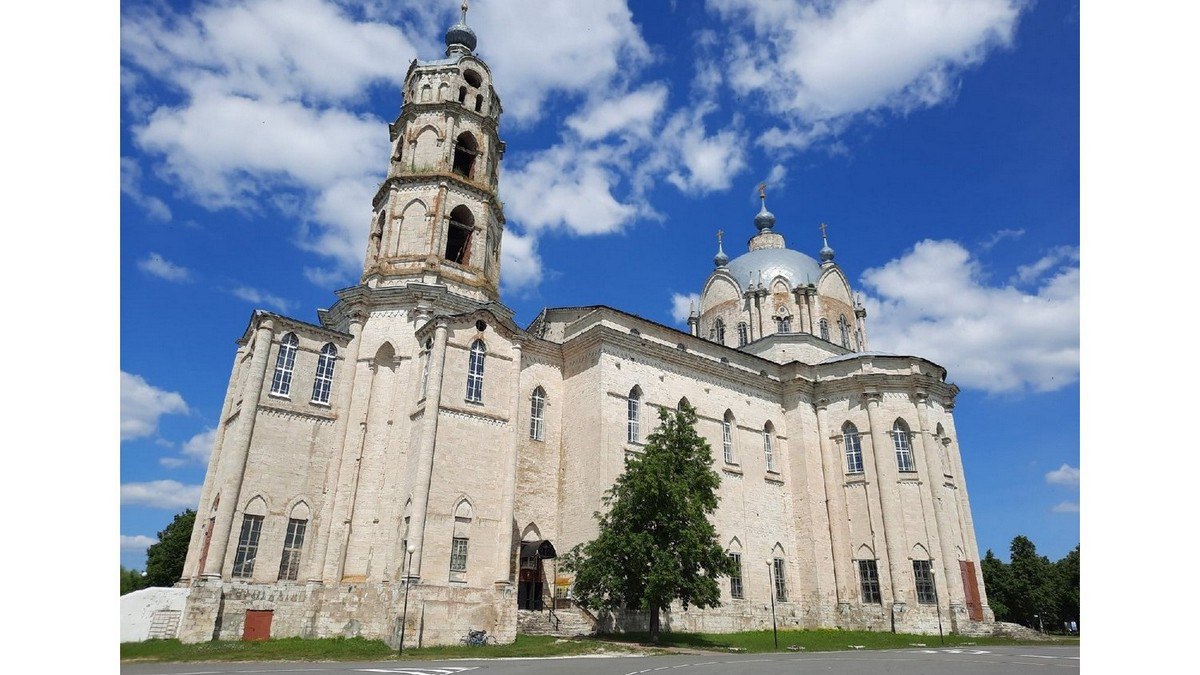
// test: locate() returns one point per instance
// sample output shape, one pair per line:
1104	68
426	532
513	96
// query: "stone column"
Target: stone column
950	585
508	486
341	430
893	521
239	448
429	424
835	505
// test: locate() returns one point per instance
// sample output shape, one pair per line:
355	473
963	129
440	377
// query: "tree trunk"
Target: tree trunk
654	625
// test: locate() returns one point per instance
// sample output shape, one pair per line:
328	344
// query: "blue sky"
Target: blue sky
938	140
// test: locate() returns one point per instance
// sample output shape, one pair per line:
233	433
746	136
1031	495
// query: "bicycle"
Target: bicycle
478	638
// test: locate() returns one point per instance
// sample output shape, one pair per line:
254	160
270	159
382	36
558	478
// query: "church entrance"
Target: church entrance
531	580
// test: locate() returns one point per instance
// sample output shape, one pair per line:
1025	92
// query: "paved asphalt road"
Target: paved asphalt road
963	661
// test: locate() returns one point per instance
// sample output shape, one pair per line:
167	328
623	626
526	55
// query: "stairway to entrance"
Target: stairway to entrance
564	622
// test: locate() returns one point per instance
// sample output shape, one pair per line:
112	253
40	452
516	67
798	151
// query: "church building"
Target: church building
412	461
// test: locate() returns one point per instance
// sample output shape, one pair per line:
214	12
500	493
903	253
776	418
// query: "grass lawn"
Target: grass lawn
817	640
354	649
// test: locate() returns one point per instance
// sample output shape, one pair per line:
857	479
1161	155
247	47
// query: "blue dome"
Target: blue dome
794	266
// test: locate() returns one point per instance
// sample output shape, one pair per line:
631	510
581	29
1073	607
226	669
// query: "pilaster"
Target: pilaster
429	424
893	522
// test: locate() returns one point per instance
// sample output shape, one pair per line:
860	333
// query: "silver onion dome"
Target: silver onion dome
765	220
720	259
460	33
826	249
768	263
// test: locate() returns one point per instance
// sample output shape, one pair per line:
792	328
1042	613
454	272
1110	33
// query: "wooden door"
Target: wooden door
971	590
258	624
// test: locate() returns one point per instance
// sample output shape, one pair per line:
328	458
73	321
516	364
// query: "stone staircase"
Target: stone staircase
564	622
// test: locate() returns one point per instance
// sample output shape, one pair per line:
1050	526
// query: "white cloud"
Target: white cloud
709	162
171	462
934	301
200	446
131	178
1066	507
1064	475
142	404
161	494
1030	273
325	277
138	542
567	187
682	305
999	236
258	297
632	114
156	265
777	178
826	60
520	264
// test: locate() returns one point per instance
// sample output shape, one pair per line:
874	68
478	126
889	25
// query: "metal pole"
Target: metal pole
937	601
771	591
407	583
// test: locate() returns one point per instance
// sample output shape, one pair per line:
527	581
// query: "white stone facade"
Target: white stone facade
447	430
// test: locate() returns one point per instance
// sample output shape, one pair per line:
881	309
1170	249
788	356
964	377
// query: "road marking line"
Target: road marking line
1037	656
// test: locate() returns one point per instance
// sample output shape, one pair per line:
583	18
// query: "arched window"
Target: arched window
293	543
854	458
635	403
735	579
904	456
281	383
463	515
783	324
768	449
719	329
478	102
844	329
824	330
475	372
743	335
458	234
683	403
324	379
779	574
537	414
727	436
247	549
465	150
462	94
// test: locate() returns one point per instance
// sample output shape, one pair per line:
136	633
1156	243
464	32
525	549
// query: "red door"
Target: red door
971	590
258	624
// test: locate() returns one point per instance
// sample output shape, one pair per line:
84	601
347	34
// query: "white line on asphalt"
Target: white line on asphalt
1037	656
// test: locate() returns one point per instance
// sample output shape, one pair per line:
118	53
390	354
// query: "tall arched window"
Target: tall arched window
458	234
854	459
465	150
727	436
463	515
537	414
719	330
324	379
293	542
281	383
743	335
768	447
635	403
844	329
824	330
904	456
475	372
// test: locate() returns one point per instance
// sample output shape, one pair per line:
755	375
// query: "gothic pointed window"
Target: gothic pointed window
904	456
537	414
825	330
727	436
475	372
768	447
854	458
324	379
285	361
844	328
743	333
463	515
293	543
633	411
458	235
465	150
719	331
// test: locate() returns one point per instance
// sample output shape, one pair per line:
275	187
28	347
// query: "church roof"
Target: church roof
794	266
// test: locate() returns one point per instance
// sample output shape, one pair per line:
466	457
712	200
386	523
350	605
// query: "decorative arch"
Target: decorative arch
256	506
443	91
531	533
683	403
300	510
735	544
864	552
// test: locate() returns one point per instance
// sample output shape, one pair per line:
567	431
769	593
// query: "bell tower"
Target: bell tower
436	218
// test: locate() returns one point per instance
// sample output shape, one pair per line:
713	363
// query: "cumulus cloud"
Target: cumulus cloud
633	114
142	404
137	542
567	187
200	446
682	305
1029	273
156	265
161	494
1064	475
260	297
999	236
171	462
706	162
520	264
935	301
131	178
1066	507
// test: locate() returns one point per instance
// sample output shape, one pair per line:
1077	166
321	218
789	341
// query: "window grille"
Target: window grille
824	330
634	403
537	414
324	379
247	550
743	336
868	575
727	439
923	573
289	565
719	328
285	361
735	579
854	458
458	559
780	581
768	450
904	457
475	372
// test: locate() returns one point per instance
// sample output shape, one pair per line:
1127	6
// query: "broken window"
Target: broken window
478	102
458	235
466	148
247	550
289	565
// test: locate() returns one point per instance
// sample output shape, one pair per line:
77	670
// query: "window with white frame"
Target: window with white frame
727	436
735	579
923	574
247	550
634	426
475	372
324	379
780	579
743	333
289	564
783	324
868	577
285	361
537	414
854	458
768	448
458	559
904	456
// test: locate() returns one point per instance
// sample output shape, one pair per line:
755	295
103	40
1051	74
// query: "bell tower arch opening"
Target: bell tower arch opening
458	235
466	149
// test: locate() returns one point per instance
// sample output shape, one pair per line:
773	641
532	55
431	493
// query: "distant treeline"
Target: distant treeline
1031	590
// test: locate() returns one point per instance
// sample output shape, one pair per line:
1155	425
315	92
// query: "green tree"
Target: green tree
655	543
1067	581
1033	597
164	559
131	580
997	582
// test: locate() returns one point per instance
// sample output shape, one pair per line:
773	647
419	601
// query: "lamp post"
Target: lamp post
937	601
771	592
407	583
